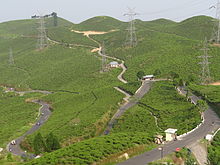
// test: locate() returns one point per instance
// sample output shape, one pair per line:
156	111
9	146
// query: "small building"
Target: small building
171	134
114	64
148	77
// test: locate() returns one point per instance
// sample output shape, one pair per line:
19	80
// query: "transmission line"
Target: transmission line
131	39
205	73
216	30
11	58
42	36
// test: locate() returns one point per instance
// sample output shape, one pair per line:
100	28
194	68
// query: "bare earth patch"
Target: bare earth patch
95	50
87	33
215	83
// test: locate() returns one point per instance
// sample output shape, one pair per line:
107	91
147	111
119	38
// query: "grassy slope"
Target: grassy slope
214	150
94	150
16	116
158	48
163	102
66	72
171	109
60	68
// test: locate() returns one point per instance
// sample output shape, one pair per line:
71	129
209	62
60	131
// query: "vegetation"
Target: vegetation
83	99
95	149
131	87
171	109
137	119
17	116
211	93
214	150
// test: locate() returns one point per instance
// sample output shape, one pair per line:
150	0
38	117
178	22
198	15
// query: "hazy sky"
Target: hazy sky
80	10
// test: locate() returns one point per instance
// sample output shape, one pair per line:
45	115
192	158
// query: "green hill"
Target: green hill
100	23
84	99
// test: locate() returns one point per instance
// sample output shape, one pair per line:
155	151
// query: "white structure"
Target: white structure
148	77
1	149
170	134
114	64
209	137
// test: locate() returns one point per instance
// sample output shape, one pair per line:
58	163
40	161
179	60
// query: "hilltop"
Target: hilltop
83	100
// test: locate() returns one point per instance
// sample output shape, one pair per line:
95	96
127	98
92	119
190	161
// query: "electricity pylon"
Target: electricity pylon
131	40
205	75
11	58
104	60
42	36
216	29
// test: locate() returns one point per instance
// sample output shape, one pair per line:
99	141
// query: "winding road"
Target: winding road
44	115
141	92
206	128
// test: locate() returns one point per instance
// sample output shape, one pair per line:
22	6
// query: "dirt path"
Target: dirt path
127	96
215	83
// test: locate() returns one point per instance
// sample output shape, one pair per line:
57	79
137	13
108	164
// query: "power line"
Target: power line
205	73
42	36
216	29
131	39
11	58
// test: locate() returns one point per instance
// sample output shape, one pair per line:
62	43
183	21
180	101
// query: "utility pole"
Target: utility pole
205	77
216	30
42	36
131	40
104	60
11	58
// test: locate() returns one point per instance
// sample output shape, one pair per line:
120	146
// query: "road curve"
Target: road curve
207	127
44	115
141	92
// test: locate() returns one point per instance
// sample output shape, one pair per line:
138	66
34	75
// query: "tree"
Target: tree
181	82
174	75
39	144
202	105
157	72
140	74
52	142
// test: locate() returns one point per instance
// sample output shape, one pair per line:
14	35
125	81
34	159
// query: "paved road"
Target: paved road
207	127
141	92
45	114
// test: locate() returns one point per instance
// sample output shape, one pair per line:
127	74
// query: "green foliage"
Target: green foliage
157	72
9	157
93	150
171	109
202	105
52	142
140	74
211	93
214	150
16	116
39	144
136	119
131	87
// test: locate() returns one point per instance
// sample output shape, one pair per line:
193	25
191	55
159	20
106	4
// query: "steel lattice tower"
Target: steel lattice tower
104	60
42	36
11	58
205	75
131	39
216	30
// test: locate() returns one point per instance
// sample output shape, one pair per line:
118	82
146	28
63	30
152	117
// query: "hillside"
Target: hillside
83	100
165	45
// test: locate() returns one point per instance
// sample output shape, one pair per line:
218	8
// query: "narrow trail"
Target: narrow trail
132	102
